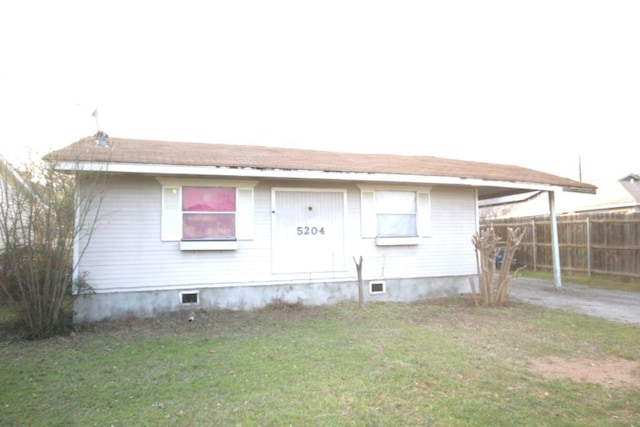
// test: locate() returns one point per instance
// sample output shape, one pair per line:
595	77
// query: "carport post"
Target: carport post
555	246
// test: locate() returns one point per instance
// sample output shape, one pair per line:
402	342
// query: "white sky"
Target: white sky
533	83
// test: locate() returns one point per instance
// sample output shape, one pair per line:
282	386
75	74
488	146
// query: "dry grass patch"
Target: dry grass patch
609	372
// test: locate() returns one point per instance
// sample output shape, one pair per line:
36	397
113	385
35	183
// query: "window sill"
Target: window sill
397	241
208	245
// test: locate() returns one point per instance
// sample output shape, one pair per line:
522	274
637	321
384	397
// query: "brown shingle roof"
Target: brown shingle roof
121	150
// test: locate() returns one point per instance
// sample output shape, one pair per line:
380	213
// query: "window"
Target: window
207	214
395	215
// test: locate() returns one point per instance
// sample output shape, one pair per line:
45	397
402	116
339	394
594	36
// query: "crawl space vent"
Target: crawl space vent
188	297
376	287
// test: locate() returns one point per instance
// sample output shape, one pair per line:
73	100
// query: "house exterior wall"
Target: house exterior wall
134	273
13	197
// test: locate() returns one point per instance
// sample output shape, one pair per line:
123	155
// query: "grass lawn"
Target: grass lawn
442	362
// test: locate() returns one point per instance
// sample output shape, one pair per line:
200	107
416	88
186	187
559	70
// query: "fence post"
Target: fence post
533	242
588	246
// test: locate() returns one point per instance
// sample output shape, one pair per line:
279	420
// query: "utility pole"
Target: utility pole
580	168
95	116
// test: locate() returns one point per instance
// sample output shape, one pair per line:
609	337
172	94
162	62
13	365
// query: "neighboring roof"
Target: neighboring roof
144	152
515	198
631	177
631	183
7	170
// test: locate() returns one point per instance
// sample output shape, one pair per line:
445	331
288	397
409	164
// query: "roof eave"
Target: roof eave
164	169
583	190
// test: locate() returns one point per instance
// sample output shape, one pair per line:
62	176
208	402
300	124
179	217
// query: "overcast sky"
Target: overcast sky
535	83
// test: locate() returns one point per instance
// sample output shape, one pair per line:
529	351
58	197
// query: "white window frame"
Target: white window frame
171	230
368	214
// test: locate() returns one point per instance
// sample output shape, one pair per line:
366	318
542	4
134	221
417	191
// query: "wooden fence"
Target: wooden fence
589	243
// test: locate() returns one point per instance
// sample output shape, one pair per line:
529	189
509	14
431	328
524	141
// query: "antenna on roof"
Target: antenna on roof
101	137
580	168
95	116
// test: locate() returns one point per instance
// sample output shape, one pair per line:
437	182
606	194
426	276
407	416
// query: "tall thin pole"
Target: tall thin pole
580	168
588	247
95	116
555	246
533	240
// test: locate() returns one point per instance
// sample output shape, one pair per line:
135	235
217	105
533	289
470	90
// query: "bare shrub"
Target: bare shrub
494	290
41	216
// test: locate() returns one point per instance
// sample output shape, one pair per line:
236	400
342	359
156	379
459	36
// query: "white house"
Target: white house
13	189
191	225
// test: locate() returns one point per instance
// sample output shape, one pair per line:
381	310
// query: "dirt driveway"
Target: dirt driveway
617	306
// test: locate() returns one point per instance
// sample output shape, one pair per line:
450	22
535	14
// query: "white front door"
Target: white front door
308	230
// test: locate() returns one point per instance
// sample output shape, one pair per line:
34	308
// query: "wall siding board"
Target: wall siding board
127	254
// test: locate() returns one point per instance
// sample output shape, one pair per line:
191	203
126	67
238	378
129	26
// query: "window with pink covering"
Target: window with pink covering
208	213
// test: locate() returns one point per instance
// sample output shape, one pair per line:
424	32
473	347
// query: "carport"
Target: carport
512	189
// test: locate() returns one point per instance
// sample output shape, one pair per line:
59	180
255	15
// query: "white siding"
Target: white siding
127	253
446	252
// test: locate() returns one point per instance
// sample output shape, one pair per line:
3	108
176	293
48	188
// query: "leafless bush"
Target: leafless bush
41	216
494	290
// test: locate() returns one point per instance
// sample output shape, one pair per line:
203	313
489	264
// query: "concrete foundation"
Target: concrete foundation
113	306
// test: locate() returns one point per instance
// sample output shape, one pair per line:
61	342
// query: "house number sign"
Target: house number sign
310	231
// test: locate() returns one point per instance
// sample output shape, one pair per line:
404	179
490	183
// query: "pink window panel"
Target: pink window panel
208	199
208	226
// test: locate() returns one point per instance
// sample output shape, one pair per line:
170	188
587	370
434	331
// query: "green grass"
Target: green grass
6	313
620	283
442	363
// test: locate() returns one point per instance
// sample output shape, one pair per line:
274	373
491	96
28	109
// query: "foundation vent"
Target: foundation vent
189	297
377	287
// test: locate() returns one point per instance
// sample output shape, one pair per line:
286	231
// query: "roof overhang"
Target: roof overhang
486	188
